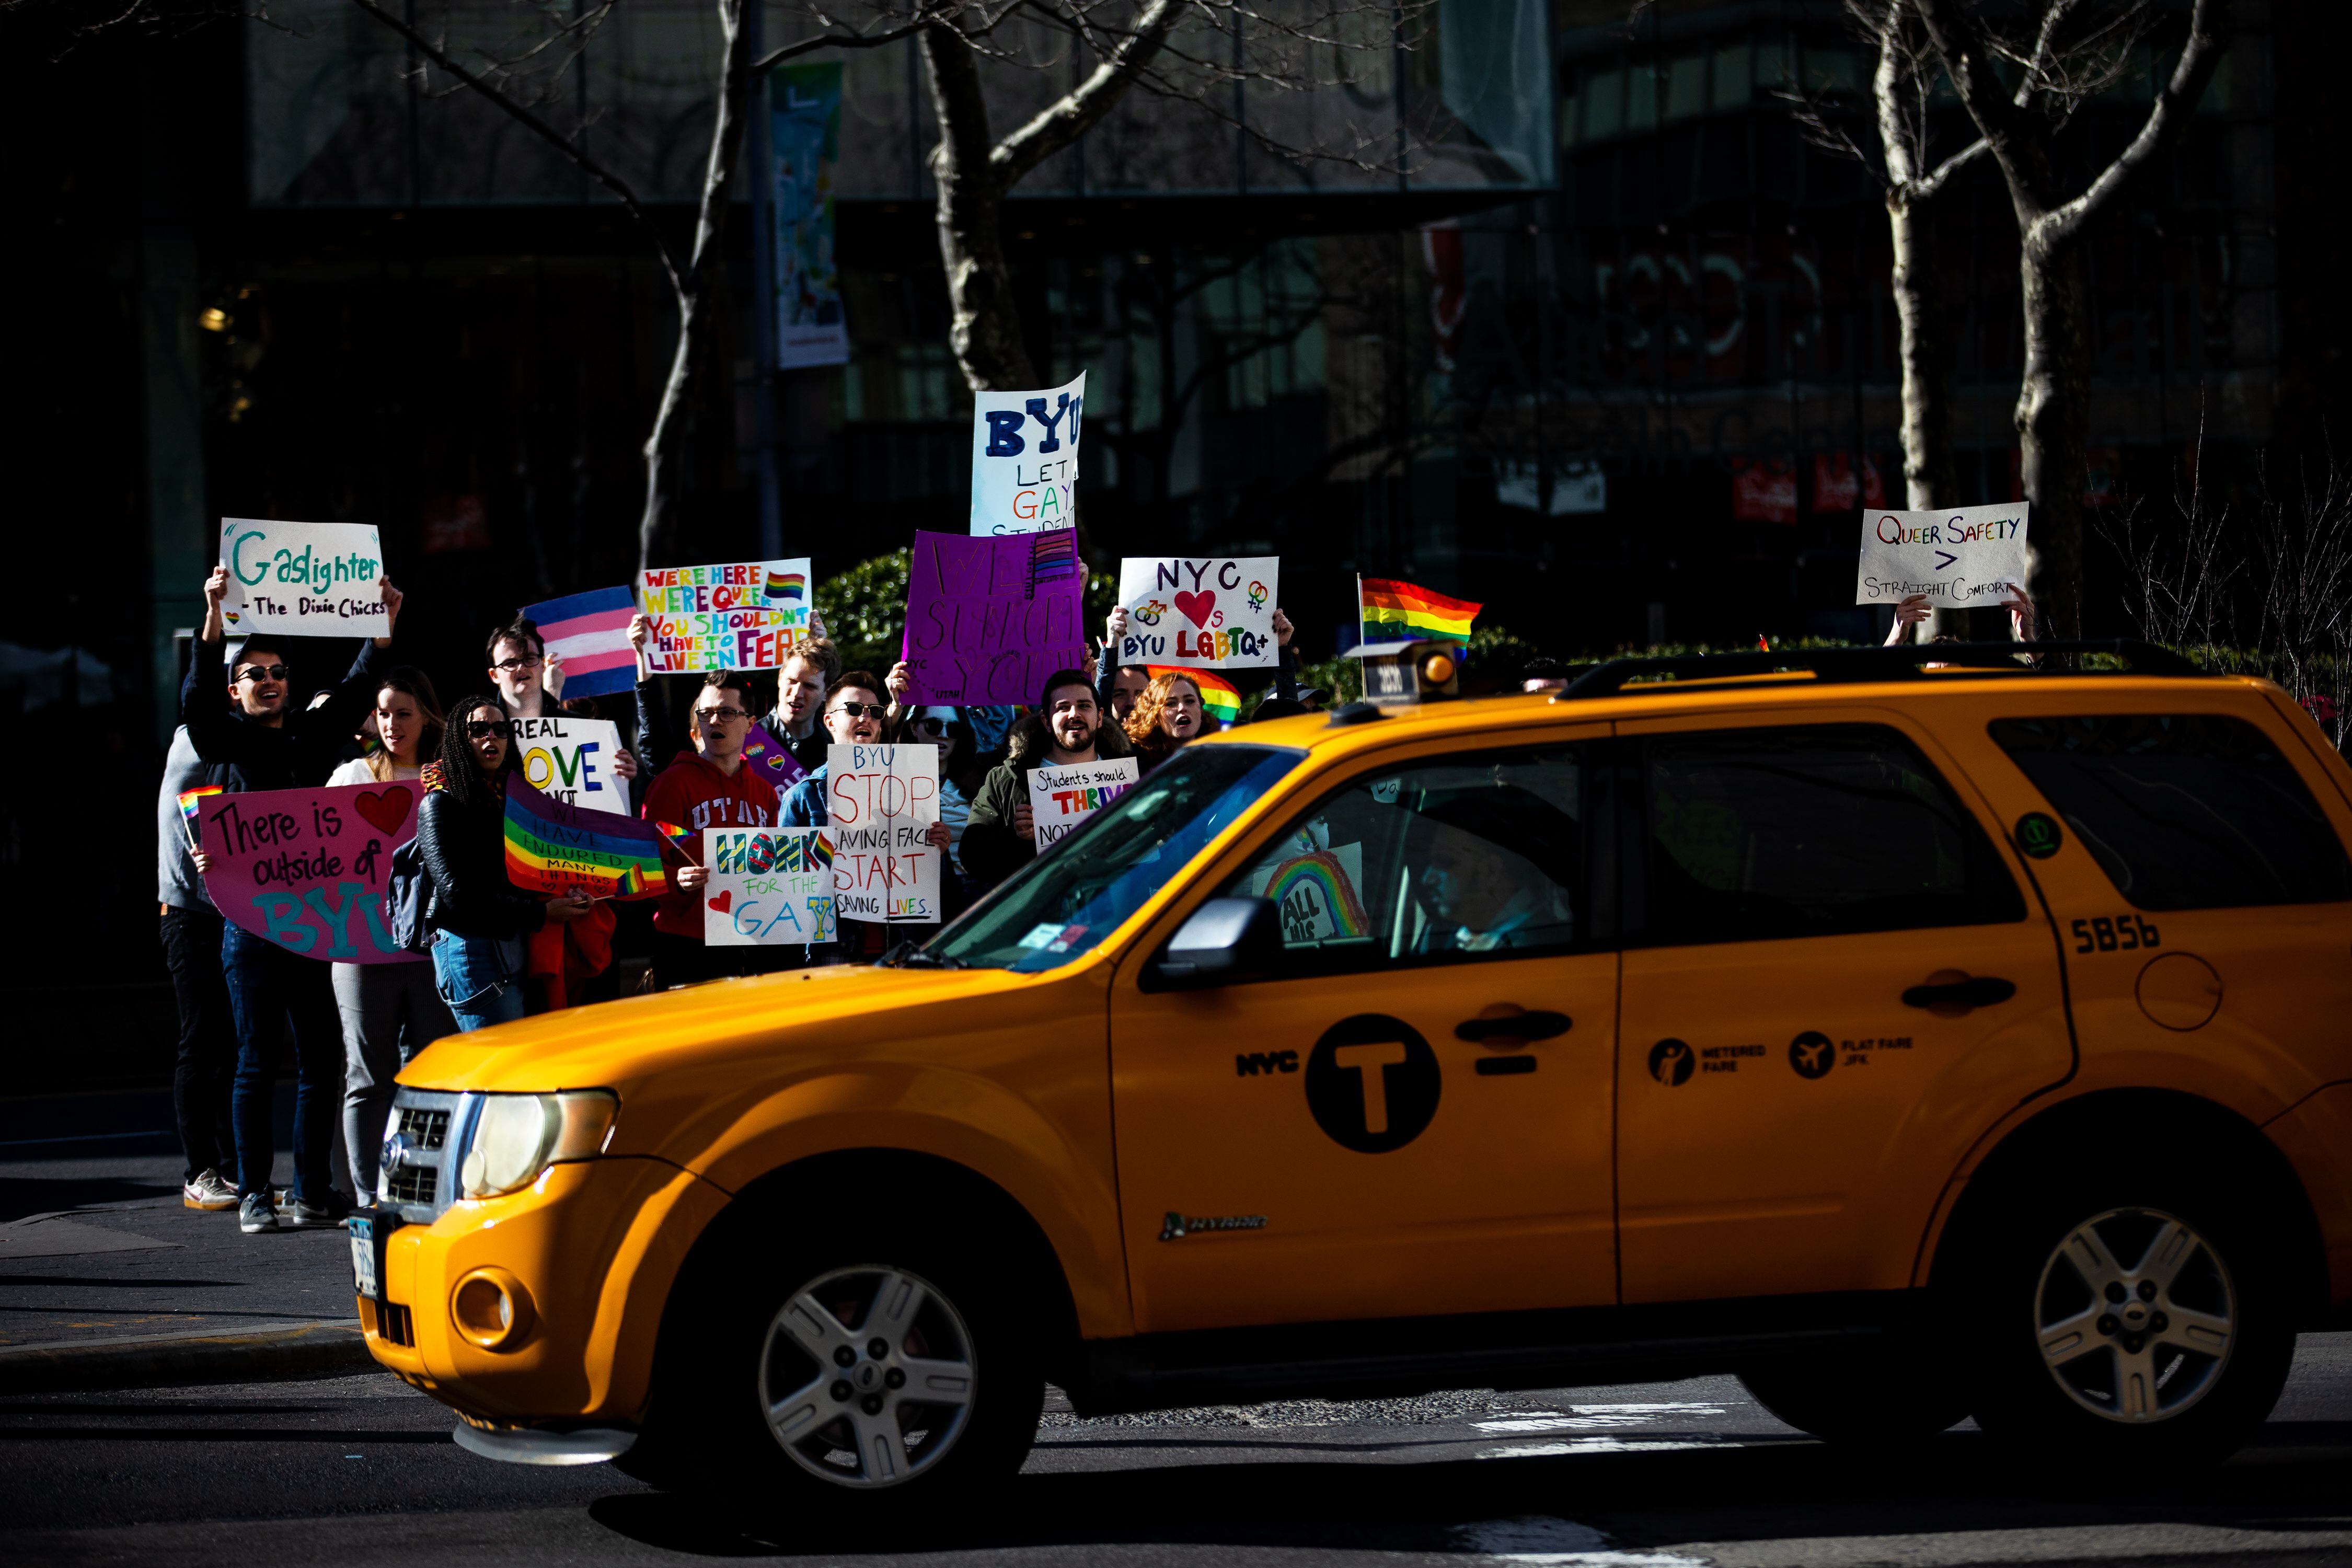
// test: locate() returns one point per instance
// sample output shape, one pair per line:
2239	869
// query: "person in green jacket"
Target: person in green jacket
1067	729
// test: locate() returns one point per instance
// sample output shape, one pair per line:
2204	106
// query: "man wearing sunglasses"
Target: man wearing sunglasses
529	681
707	786
250	735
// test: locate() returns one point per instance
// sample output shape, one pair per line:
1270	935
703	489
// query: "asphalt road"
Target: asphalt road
360	1470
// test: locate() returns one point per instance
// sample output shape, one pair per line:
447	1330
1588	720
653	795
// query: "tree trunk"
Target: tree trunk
1929	478
666	446
2053	423
983	323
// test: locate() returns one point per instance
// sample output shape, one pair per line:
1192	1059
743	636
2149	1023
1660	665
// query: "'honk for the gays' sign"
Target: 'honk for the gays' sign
1024	458
306	867
1208	612
1960	558
1062	798
307	579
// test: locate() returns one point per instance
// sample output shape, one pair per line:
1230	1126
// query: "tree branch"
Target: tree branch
2208	40
1071	116
1922	189
2009	131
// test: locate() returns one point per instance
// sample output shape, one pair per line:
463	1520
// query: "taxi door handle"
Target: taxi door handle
1494	1025
1957	995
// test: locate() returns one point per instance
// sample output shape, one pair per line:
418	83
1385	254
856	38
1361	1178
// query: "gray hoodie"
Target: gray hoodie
176	881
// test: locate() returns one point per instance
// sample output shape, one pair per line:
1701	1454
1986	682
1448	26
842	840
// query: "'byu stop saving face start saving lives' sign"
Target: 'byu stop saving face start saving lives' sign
1024	458
1964	557
303	579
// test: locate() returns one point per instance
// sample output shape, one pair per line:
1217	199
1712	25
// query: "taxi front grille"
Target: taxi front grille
393	1322
413	1187
427	1127
424	1139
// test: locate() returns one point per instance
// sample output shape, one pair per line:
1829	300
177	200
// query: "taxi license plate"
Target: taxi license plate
363	1256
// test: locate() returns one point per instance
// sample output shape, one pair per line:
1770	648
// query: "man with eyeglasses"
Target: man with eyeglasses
1001	836
707	786
250	736
529	681
855	710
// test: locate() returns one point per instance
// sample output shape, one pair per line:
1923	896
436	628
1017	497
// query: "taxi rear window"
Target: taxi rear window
2183	811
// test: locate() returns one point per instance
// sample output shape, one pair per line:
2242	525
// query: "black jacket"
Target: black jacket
992	848
241	754
465	852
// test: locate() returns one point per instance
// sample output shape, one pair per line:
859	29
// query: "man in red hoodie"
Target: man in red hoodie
708	788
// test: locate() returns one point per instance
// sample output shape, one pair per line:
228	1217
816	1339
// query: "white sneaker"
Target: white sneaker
255	1216
209	1191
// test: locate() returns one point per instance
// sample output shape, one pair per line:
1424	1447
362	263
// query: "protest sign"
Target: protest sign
1024	458
308	579
1962	557
570	760
989	619
1061	799
1205	612
770	887
306	867
881	801
777	765
1318	891
741	614
590	633
556	848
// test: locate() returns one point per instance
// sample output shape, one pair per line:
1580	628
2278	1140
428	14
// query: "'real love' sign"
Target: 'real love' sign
1208	612
306	579
306	867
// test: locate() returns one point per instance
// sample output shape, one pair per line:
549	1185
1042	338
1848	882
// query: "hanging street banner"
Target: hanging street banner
570	760
989	619
804	142
1024	460
770	887
588	633
557	850
1201	612
1963	557
741	614
303	579
881	801
306	867
1062	798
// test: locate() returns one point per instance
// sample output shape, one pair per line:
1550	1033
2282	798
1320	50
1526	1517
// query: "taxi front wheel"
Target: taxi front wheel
851	1375
1851	1396
2128	1327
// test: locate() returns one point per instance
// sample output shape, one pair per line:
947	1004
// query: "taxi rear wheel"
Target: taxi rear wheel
851	1375
2131	1328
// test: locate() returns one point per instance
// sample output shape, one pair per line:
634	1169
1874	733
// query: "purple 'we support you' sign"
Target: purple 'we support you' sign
987	619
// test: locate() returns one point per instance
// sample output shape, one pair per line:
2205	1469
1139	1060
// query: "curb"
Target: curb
322	1348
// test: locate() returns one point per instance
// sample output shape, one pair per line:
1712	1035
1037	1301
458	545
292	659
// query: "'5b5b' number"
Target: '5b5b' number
2122	934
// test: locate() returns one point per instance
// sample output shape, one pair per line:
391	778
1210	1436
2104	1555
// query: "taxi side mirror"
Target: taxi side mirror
1226	942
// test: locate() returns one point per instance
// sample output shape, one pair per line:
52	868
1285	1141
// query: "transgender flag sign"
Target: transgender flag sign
591	632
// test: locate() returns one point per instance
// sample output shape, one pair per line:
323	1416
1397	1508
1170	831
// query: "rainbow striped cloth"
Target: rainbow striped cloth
1397	611
791	586
192	801
557	848
591	631
1217	694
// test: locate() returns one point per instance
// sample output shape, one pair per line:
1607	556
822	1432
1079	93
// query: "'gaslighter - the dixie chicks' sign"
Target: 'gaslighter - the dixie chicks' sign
1962	557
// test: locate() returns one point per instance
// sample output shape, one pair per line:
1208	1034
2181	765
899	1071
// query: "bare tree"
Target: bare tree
2177	575
2303	548
2074	48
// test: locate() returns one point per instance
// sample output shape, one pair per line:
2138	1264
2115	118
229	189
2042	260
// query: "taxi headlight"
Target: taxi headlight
516	1136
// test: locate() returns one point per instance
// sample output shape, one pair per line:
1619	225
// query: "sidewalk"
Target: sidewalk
108	1281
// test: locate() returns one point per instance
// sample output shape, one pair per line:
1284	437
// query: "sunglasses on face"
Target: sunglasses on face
721	715
933	726
508	665
483	728
262	672
863	709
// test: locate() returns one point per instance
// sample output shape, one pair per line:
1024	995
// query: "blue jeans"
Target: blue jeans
480	977
273	993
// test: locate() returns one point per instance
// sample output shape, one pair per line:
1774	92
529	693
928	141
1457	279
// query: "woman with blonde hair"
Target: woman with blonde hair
1165	716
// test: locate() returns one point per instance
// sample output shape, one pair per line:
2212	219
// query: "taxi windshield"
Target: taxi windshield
1066	901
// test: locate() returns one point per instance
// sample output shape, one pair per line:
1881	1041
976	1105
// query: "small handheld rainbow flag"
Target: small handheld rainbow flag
1217	694
678	837
192	801
790	586
1393	610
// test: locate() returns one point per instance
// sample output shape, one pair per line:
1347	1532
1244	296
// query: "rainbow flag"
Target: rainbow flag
791	586
555	849
672	831
1217	694
1396	611
192	801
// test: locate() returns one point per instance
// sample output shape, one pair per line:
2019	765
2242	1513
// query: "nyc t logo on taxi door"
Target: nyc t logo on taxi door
1372	1083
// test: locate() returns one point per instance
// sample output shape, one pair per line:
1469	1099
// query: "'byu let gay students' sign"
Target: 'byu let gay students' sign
1024	458
306	579
1962	557
1210	612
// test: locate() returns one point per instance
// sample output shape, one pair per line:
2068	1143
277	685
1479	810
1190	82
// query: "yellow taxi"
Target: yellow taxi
1915	1043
